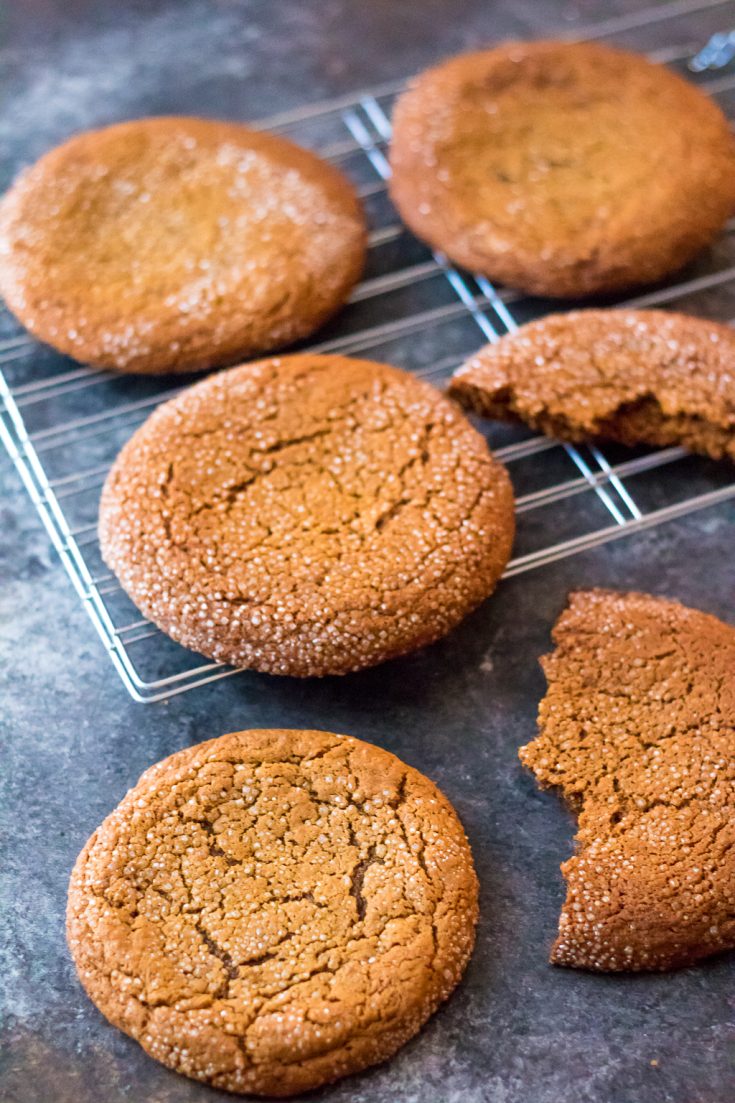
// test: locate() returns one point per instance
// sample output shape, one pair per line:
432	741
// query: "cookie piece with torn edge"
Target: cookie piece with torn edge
271	910
637	730
631	376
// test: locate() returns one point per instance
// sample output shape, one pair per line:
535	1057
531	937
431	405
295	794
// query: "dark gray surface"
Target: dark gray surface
516	1031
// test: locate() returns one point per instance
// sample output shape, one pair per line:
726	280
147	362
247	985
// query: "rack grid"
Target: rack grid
62	423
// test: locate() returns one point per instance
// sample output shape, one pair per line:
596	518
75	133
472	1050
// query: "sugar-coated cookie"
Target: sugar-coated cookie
177	244
562	169
272	910
307	515
632	376
637	730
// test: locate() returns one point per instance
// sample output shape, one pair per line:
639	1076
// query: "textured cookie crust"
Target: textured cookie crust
176	244
637	730
307	515
562	169
633	376
271	910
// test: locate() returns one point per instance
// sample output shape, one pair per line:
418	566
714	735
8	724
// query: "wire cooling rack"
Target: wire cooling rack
63	424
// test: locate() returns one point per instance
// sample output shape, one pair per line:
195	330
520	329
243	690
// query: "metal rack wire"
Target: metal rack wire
63	424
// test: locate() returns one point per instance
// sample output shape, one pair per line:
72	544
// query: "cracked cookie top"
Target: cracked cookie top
564	169
271	910
176	244
637	729
634	376
307	515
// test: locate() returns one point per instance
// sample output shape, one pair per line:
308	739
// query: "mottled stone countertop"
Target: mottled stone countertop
516	1031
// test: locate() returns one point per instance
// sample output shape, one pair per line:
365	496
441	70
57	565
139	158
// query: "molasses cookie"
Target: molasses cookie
562	169
272	910
307	515
637	730
633	376
177	244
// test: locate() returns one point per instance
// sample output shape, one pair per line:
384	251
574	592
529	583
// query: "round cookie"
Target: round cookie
307	515
272	910
562	169
177	244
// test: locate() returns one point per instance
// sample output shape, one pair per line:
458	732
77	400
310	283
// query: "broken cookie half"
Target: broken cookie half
637	730
632	376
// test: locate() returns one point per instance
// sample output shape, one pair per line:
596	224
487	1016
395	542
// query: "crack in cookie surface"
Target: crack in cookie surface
314	939
637	730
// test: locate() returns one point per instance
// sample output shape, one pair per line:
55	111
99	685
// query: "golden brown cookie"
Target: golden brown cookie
562	169
637	730
633	376
307	515
176	244
272	910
